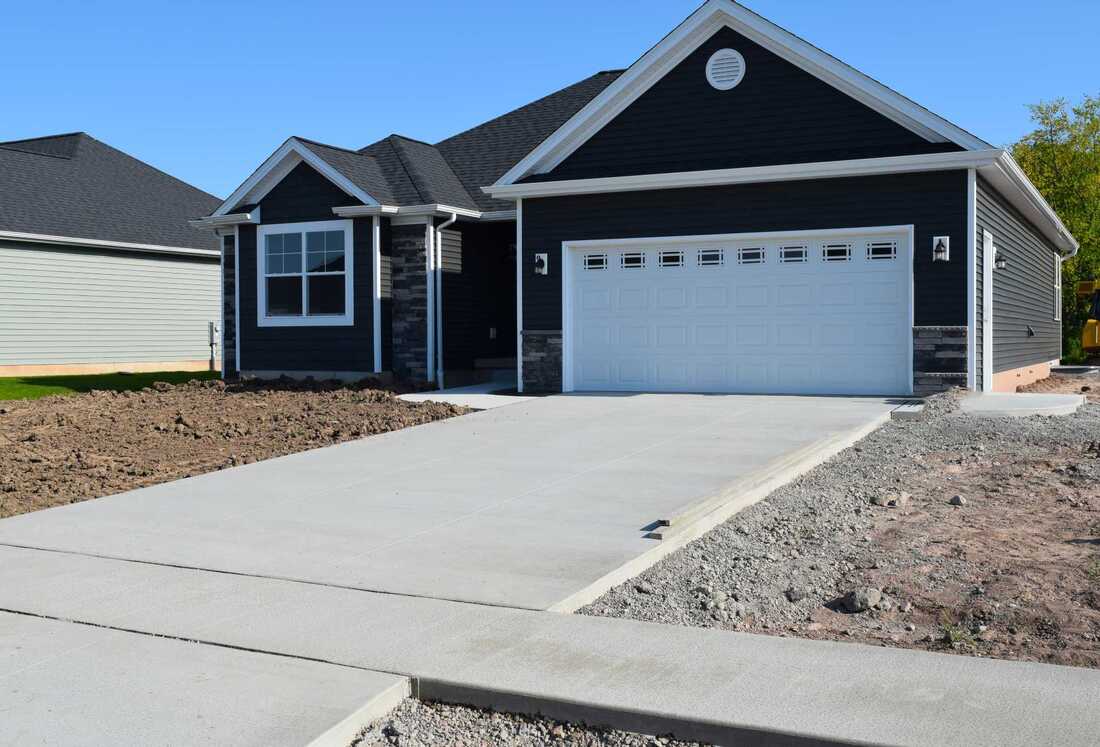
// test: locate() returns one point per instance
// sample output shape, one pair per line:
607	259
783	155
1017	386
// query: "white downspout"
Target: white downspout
439	296
429	292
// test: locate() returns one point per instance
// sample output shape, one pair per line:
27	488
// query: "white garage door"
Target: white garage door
799	313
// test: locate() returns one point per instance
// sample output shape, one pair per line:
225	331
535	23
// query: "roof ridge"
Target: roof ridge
329	145
78	136
410	139
405	167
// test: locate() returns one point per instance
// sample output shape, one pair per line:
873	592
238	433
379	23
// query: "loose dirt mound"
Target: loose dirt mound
60	450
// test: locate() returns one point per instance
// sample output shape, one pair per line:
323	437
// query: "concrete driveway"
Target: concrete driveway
541	504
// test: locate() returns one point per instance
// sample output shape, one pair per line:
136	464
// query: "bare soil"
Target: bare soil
1012	573
65	449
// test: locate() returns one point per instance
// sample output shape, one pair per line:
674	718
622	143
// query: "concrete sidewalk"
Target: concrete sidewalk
701	684
539	504
64	683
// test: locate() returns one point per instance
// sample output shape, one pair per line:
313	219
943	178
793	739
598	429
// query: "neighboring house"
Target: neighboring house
99	270
736	212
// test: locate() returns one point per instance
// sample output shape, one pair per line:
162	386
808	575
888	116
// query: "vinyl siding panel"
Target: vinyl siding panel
1023	292
778	114
61	305
979	310
935	203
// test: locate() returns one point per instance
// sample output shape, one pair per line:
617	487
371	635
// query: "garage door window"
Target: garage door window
793	254
633	260
836	252
712	257
595	261
671	259
882	250
304	274
751	256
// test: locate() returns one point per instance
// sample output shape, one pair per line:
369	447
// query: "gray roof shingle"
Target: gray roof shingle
73	185
485	153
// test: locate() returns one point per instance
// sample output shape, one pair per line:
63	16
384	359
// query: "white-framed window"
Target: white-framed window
793	254
751	255
1057	288
670	259
632	260
304	274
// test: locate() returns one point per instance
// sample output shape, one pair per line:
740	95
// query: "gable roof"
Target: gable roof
72	186
401	171
703	23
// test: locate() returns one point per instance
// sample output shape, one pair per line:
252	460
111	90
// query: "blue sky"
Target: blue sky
206	90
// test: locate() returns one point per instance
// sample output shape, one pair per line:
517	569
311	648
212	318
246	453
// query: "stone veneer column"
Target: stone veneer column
939	359
542	361
410	302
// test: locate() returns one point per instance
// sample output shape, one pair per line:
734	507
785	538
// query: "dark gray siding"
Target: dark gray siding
386	283
935	202
229	307
1023	292
304	195
778	114
459	335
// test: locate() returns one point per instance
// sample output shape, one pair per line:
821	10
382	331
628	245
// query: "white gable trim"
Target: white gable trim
699	27
277	166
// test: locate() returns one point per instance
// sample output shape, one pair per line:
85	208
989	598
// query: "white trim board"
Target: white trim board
971	280
993	164
72	241
569	248
277	166
697	28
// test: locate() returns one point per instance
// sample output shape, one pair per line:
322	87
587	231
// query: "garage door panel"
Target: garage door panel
691	319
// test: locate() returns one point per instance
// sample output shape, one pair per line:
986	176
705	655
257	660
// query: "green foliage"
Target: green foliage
1062	158
33	387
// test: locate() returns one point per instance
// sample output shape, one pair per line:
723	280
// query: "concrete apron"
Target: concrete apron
540	505
714	686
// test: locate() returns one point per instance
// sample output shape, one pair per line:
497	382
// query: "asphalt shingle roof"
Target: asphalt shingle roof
75	186
485	153
399	170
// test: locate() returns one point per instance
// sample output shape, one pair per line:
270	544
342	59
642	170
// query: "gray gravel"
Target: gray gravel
773	564
422	724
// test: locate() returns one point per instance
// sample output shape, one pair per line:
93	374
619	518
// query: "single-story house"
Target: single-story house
99	269
737	211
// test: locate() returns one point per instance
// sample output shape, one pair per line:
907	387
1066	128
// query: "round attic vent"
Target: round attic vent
725	69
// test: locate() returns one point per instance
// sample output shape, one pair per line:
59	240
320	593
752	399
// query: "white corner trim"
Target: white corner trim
670	51
39	238
519	296
721	177
277	166
429	283
376	290
971	278
347	319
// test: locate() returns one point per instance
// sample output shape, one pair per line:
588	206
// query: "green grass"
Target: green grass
33	387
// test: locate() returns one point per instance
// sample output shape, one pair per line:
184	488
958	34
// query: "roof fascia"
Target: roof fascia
37	238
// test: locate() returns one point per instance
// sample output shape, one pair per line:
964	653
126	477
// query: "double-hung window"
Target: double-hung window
305	274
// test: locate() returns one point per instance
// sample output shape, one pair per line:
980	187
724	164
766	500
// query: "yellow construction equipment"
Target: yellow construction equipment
1090	335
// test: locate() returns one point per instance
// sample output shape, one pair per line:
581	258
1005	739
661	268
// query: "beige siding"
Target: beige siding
73	305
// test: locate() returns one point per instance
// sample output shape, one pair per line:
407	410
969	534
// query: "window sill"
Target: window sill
306	321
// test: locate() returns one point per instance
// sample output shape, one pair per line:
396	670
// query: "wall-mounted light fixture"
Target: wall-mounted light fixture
941	249
542	264
1000	259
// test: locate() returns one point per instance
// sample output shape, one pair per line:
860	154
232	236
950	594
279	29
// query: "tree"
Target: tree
1062	158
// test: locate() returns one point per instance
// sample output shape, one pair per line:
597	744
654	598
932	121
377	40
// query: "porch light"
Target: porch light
1000	261
941	249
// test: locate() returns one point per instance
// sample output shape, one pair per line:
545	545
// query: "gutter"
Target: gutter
37	238
391	211
211	222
